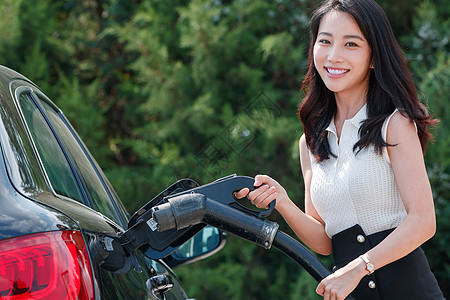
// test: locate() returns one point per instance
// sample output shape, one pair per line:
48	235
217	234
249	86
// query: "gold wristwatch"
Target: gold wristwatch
369	266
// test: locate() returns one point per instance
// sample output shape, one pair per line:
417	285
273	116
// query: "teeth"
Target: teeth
335	71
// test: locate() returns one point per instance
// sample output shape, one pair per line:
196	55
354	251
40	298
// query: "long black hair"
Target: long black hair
390	83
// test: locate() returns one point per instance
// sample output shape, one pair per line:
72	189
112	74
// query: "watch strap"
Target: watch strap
369	266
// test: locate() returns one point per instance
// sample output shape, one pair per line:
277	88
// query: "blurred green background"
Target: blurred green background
165	89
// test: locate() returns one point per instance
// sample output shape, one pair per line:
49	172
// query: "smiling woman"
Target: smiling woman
342	56
367	195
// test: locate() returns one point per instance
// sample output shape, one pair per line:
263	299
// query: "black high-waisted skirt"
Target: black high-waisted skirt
408	278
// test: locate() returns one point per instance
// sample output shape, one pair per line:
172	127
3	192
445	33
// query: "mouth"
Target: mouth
336	71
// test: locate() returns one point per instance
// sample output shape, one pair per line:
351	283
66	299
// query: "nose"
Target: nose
335	54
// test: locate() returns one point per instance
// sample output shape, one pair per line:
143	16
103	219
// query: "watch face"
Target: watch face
370	267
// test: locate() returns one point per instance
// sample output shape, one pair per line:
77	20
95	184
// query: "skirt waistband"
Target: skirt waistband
353	242
408	278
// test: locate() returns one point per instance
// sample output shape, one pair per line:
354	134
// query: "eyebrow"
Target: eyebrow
348	36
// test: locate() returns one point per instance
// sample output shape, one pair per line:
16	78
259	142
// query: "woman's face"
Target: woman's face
342	55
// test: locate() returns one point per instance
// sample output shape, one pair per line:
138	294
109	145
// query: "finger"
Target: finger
253	195
241	193
266	202
320	289
333	296
261	179
266	197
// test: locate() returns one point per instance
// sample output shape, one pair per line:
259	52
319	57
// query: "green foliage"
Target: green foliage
9	18
304	288
165	89
436	87
437	249
247	271
431	47
430	39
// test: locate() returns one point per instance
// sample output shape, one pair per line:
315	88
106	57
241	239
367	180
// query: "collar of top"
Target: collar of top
360	116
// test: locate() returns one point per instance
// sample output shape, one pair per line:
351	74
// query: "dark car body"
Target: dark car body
56	205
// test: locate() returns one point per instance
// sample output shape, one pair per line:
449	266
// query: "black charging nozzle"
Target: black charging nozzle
183	211
214	205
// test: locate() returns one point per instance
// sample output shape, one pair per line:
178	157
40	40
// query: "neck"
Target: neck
349	105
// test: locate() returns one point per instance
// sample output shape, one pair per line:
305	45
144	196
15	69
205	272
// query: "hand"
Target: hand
338	285
268	190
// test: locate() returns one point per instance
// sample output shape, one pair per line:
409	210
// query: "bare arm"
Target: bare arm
313	234
309	227
418	226
412	180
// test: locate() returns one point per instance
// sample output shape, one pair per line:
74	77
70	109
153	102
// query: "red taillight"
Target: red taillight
50	265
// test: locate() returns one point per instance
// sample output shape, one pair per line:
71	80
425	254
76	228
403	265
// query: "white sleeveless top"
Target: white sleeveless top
355	189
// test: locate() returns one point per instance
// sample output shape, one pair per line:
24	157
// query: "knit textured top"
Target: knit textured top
355	188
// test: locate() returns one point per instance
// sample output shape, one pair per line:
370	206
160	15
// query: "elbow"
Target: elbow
431	228
323	249
431	224
428	225
325	253
424	222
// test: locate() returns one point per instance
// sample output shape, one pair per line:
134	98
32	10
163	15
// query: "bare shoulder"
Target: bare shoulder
400	128
304	154
303	147
302	144
401	121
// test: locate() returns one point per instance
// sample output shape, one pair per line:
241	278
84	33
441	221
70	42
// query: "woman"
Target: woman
367	195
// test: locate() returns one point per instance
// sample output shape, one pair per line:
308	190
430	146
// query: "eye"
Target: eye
324	42
351	44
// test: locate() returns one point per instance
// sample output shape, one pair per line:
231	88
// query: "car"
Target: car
64	233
